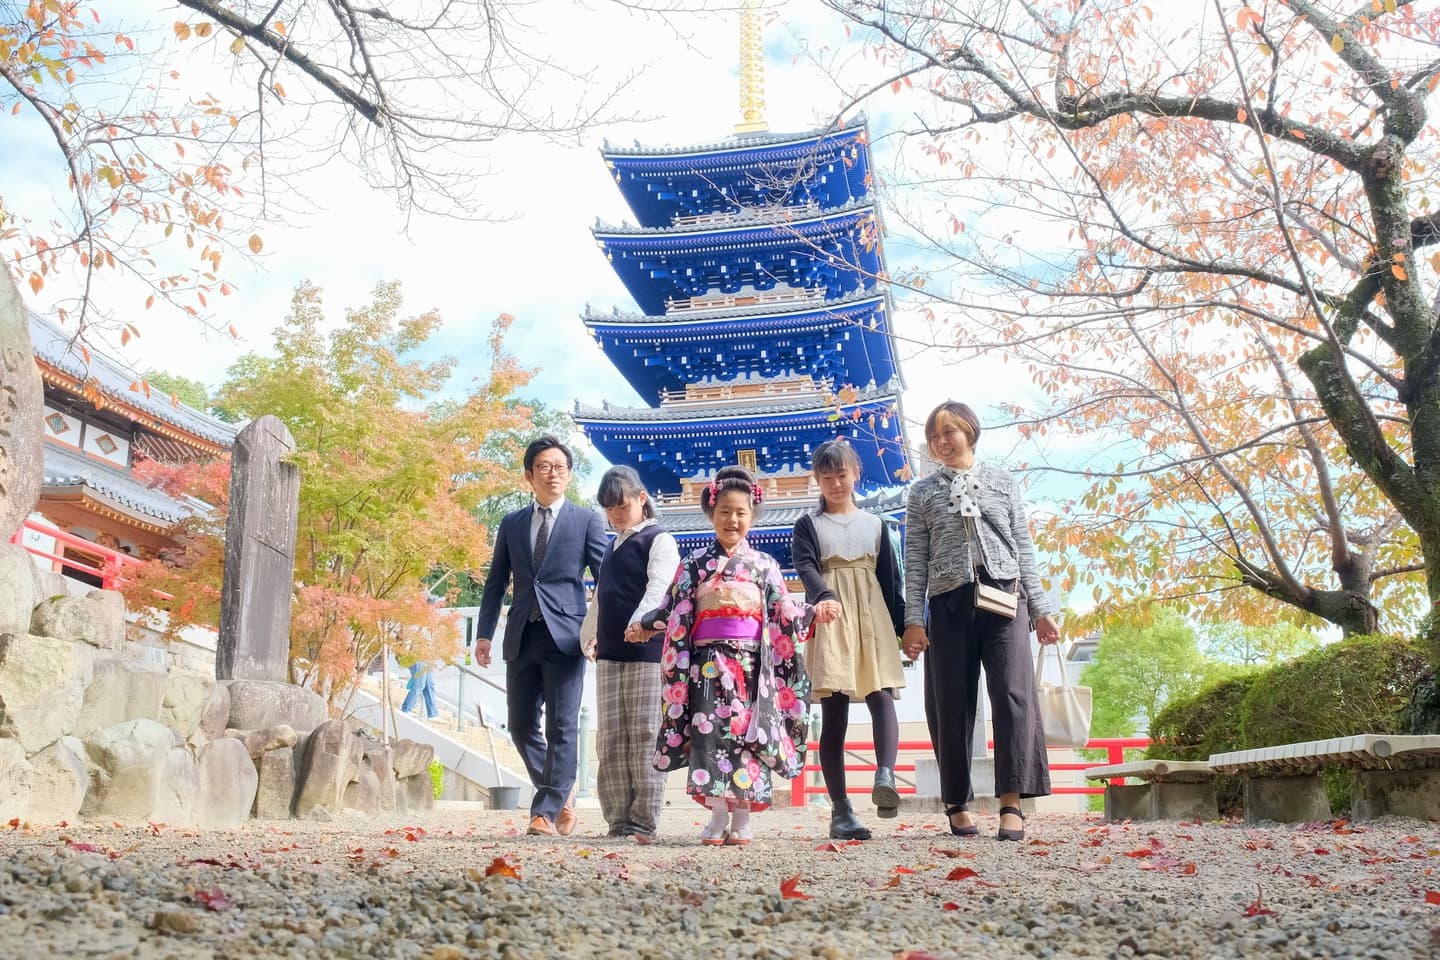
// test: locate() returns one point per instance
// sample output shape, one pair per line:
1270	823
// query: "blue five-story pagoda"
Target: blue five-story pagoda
764	325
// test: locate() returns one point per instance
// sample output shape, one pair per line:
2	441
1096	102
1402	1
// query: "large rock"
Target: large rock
17	588
276	791
411	757
22	401
381	761
364	793
42	685
59	779
216	716
187	695
227	784
16	781
121	690
257	704
259	556
258	742
415	794
130	762
178	798
98	618
332	759
49	584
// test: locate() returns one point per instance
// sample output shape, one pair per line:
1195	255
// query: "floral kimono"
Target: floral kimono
735	695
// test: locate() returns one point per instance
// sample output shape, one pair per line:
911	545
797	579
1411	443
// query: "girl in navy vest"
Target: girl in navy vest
846	559
634	577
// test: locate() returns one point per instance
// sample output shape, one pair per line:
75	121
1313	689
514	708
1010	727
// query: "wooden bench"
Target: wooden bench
1396	775
1174	790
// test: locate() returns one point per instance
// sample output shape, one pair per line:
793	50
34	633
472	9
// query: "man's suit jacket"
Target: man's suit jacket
577	541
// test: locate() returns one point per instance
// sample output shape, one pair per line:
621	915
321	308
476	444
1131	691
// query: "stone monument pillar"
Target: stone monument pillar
259	555
22	401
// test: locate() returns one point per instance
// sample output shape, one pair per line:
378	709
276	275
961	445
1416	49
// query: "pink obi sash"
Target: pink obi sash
730	629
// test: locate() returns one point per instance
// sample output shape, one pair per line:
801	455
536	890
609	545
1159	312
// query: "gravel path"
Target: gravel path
1077	888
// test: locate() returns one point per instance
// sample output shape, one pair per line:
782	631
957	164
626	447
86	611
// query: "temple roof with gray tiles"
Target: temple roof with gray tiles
58	347
71	470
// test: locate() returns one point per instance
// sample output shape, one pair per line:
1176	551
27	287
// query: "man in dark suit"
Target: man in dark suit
541	552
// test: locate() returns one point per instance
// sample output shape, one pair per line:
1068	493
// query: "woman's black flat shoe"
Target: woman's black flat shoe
1004	834
969	830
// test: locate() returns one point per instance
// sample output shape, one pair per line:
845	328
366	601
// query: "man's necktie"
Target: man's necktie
542	540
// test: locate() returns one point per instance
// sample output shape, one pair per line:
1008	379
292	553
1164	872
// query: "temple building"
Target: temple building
98	421
764	322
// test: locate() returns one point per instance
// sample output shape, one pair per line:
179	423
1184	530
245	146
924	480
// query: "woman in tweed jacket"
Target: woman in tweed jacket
947	513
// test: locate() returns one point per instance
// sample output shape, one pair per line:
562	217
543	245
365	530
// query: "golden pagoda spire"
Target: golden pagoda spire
752	70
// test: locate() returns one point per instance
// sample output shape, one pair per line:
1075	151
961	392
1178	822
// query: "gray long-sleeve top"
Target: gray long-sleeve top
937	551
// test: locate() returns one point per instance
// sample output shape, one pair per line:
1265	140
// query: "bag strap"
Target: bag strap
1040	664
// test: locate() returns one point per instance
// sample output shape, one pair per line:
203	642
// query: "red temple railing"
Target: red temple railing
1114	748
108	566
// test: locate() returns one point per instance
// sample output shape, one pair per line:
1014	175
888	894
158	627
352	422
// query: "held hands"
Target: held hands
1047	631
827	611
914	642
482	652
637	633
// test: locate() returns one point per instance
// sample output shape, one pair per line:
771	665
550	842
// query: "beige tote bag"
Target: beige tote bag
1064	707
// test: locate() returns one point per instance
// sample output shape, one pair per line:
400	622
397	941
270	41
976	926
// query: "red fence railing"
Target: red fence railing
109	565
1114	748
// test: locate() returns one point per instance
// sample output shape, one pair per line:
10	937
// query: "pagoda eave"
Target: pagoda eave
734	229
681	417
853	128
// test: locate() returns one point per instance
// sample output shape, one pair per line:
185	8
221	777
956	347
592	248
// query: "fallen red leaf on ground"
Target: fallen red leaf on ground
962	873
833	846
214	899
790	889
1142	852
82	847
1256	908
1432	896
952	853
950	905
501	867
903	870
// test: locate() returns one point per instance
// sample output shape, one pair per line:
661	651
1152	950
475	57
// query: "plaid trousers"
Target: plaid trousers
631	790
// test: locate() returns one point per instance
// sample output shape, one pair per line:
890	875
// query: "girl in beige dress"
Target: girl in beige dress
846	559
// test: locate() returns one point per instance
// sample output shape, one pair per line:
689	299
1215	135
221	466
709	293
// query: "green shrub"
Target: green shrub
1359	685
437	777
1422	713
1193	728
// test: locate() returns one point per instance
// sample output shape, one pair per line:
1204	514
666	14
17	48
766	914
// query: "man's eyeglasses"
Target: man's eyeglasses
547	469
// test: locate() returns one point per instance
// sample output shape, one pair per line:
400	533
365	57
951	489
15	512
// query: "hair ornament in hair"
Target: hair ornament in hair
757	492
714	490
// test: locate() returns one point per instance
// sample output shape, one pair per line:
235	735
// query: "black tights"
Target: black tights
835	719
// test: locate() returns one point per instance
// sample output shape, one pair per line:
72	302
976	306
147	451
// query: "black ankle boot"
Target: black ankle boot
884	795
843	823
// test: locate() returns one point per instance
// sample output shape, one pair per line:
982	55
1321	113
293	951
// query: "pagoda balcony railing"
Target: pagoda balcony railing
777	490
771	214
749	299
702	395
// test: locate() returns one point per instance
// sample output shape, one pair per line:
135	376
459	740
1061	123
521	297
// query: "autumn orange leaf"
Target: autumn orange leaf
501	867
1432	897
1399	272
790	889
962	873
